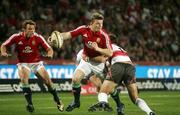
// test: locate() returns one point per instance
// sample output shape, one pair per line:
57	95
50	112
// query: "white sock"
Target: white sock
103	97
142	105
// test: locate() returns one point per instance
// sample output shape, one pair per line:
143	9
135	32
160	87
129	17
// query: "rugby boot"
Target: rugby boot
30	108
152	113
94	107
100	106
120	109
72	106
106	106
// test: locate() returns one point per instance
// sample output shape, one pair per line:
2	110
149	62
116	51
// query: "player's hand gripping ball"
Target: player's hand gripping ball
56	39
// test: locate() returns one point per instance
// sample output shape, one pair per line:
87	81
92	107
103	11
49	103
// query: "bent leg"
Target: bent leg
109	87
106	88
76	89
24	74
133	94
76	80
43	75
96	81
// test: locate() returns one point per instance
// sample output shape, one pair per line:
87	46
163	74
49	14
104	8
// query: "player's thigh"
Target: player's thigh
82	70
42	72
96	81
24	73
98	69
43	75
108	86
133	92
84	67
78	76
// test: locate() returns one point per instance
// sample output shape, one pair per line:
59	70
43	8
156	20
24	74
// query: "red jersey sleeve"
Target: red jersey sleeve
11	40
107	39
43	42
78	31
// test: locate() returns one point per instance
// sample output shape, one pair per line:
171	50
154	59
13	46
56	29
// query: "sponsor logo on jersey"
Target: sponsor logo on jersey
27	49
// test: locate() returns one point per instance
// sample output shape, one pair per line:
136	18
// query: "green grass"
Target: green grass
162	102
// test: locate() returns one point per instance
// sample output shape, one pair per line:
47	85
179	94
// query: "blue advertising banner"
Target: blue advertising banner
66	71
55	71
148	78
158	72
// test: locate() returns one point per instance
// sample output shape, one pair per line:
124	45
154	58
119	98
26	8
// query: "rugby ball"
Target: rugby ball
56	39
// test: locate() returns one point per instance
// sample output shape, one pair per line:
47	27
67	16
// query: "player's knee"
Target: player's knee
26	88
24	80
48	81
76	80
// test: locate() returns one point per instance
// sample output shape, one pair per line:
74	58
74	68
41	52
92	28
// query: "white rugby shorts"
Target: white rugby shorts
91	67
33	67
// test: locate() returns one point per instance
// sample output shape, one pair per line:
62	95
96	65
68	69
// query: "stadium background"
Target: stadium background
148	29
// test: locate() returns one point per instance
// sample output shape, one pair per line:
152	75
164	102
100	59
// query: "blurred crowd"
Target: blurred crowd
148	29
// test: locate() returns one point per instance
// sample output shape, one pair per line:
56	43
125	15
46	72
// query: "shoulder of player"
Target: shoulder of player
16	35
104	33
12	37
83	27
38	36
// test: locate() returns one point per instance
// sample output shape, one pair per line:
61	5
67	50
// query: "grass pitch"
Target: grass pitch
162	102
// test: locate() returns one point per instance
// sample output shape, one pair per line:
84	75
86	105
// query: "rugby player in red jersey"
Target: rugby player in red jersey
92	35
27	45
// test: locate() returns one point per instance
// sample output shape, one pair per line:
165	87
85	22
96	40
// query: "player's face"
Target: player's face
29	30
96	25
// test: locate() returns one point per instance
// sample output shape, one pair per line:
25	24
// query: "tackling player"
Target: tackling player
27	45
122	70
98	80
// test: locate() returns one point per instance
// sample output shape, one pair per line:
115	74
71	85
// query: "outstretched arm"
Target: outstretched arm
63	36
66	35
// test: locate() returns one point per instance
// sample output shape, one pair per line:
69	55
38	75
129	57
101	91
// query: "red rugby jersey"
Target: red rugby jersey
101	38
27	49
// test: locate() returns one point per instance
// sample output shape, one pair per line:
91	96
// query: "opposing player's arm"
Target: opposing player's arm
100	59
106	51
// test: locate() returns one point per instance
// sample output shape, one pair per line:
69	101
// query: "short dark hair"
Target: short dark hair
31	22
97	15
113	37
